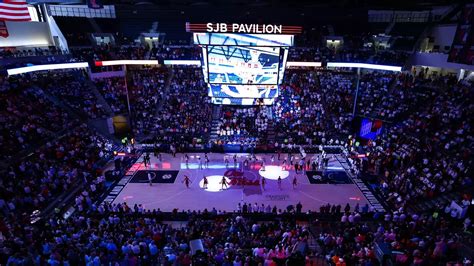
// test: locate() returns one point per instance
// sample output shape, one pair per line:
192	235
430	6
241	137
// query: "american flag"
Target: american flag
14	10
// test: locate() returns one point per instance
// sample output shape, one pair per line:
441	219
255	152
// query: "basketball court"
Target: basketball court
168	191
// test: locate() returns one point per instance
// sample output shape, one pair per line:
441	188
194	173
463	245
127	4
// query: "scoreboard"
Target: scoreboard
243	64
239	66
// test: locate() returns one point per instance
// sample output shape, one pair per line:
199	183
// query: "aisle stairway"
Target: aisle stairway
317	259
166	89
271	136
99	97
216	114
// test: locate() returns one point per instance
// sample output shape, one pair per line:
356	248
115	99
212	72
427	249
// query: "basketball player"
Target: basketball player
186	181
207	160
295	181
226	162
279	182
264	181
223	183
150	178
148	159
246	163
205	182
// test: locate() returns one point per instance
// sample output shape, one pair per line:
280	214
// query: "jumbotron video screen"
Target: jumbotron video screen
243	66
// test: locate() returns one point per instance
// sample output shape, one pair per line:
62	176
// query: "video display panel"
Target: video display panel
243	65
243	91
204	64
243	69
370	129
283	58
225	39
242	101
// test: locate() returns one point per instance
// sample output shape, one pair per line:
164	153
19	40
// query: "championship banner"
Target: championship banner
95	4
3	29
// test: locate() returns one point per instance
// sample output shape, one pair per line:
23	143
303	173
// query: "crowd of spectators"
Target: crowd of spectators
110	52
370	56
343	54
425	152
389	97
114	92
147	90
184	119
72	88
374	89
119	233
307	54
243	125
137	52
175	52
52	169
428	153
13	53
99	234
407	238
27	118
311	108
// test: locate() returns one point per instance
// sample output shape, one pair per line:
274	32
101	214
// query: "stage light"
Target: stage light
22	70
272	172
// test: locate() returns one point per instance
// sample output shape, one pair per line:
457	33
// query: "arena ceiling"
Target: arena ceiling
391	4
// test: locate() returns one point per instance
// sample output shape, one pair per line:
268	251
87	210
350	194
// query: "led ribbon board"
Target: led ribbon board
126	62
182	62
303	64
22	70
366	66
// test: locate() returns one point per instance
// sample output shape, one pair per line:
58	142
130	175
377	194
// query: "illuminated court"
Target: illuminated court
243	183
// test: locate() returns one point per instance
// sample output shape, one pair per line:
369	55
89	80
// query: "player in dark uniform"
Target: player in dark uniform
295	182
186	181
224	183
205	182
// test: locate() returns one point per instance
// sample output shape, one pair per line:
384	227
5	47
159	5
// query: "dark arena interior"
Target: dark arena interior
236	132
